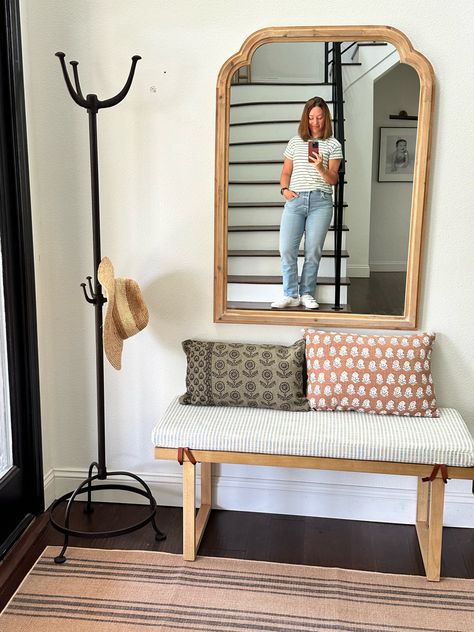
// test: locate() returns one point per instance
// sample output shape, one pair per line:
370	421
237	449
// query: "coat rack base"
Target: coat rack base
87	487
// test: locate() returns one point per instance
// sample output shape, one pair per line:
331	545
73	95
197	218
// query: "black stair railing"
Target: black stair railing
329	56
338	115
326	62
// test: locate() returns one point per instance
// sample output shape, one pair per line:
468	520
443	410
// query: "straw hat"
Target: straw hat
126	313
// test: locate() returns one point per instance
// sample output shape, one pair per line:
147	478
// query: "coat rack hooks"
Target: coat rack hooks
91	101
93	104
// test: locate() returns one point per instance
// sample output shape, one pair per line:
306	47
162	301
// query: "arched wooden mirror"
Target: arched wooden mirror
380	94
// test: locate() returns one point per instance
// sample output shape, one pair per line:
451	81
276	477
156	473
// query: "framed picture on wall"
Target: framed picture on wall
397	154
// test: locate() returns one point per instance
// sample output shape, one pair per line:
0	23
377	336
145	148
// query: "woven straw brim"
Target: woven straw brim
126	313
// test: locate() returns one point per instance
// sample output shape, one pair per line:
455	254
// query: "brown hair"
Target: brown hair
303	129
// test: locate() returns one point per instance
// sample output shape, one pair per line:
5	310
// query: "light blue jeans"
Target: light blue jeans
309	214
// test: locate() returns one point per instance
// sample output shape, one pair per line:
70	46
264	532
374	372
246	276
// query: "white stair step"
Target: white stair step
254	215
265	191
255	192
256	171
276	130
253	305
268	240
260	111
257	151
271	92
262	292
272	266
258	193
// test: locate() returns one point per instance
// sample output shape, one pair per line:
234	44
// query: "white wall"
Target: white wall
358	84
289	61
157	180
391	201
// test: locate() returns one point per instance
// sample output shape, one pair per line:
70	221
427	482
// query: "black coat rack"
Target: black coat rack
93	294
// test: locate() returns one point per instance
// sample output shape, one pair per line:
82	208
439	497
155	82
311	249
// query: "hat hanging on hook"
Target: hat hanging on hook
126	313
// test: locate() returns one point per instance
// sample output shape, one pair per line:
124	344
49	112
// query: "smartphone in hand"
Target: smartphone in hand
313	147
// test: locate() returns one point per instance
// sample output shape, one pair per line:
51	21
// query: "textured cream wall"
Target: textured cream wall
157	178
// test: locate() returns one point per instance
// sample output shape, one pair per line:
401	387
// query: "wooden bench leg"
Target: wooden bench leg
429	525
206	502
189	511
194	525
422	501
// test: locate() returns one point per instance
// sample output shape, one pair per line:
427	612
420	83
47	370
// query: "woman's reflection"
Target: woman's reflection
310	168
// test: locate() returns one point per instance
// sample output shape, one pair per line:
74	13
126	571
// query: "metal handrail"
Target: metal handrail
338	115
328	50
326	62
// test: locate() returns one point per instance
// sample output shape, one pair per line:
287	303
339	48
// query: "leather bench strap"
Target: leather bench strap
434	473
188	453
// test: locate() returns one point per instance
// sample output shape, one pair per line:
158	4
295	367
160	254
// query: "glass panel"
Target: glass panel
6	456
265	110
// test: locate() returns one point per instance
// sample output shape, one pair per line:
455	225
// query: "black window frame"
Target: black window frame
22	488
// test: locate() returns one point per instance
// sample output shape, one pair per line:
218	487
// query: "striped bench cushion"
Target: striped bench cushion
340	435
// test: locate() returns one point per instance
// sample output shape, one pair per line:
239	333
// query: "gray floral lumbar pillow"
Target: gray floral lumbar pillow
239	374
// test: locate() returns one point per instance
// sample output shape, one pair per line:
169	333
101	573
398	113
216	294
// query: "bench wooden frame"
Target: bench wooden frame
429	504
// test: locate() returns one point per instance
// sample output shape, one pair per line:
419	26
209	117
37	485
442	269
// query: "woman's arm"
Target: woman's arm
329	175
285	178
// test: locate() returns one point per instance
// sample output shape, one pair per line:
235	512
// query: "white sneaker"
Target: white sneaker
286	301
308	301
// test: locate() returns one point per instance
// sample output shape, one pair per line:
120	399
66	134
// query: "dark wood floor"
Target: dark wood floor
381	293
254	536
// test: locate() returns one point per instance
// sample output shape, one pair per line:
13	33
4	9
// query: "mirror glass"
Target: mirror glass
380	118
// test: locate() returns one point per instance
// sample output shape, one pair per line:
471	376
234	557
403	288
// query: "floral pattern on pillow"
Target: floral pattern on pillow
379	374
240	374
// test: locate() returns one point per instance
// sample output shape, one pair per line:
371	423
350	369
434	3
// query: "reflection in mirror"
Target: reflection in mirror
375	184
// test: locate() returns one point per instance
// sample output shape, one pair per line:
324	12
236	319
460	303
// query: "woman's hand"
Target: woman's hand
316	159
329	174
289	195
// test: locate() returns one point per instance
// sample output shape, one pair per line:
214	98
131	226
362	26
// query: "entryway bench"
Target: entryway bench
432	449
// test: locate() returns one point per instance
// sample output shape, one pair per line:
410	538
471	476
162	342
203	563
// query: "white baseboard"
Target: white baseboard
388	266
49	488
358	271
359	501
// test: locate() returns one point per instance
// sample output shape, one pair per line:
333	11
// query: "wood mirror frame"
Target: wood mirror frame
408	320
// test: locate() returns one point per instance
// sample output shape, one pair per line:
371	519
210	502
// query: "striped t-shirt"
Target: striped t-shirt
305	176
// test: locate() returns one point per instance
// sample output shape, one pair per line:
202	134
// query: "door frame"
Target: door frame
22	488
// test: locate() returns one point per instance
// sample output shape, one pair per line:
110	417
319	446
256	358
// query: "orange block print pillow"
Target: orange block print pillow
379	374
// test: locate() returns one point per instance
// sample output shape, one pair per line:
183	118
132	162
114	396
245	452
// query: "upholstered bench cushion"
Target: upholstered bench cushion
340	435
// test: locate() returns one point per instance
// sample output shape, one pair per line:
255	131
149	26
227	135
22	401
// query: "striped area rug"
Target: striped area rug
136	590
